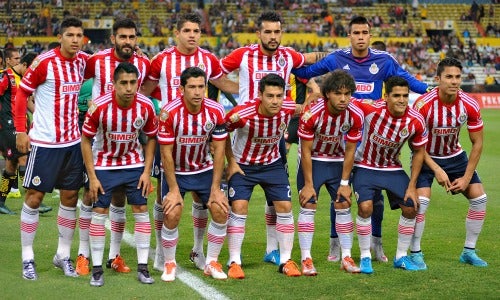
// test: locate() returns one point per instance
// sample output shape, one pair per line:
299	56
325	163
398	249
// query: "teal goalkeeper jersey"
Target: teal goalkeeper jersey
85	95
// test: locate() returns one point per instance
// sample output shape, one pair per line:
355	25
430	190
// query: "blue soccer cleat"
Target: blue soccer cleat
273	257
470	257
365	265
406	263
418	260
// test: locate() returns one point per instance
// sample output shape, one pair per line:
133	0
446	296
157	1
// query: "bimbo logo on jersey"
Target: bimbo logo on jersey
70	88
444	131
334	139
175	81
192	140
266	141
122	137
108	86
258	75
364	87
376	139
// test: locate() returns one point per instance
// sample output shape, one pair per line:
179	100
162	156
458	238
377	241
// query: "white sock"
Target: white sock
272	241
305	231
406	228
364	231
117	218
97	236
419	224
216	235
29	225
285	231
235	235
66	224
83	226
142	236
169	240
474	221
345	230
200	219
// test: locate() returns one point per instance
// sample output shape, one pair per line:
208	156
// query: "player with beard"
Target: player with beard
100	67
253	62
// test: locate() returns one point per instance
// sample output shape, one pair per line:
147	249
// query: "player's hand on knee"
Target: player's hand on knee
170	201
218	199
305	194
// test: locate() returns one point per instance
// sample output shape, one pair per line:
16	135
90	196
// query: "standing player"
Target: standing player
253	62
166	69
100	68
9	84
370	68
253	158
321	130
116	160
387	126
187	127
446	109
55	159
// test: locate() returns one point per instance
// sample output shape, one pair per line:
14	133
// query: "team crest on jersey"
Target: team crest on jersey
282	126
281	61
231	192
36	181
234	118
345	127
138	123
374	68
202	66
163	115
419	104
404	133
462	118
209	126
92	108
35	64
306	116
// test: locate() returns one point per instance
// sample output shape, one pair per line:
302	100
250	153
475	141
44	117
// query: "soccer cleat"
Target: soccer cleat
144	277
118	264
406	263
159	261
334	254
418	259
378	250
235	271
349	265
273	257
14	194
214	269
29	270
308	268
469	256
198	259
5	210
82	265
365	265
66	265
169	271
289	268
97	278
44	208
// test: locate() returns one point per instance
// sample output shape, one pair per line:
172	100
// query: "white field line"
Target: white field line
206	291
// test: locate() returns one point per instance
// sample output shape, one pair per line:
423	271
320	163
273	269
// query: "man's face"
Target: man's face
71	41
271	100
337	101
188	37
449	81
125	41
14	60
194	92
270	35
397	100
360	37
126	88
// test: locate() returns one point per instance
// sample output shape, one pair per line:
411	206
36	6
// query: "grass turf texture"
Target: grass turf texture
442	244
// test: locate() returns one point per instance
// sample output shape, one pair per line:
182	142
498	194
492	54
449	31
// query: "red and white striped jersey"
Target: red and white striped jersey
256	137
190	134
116	131
55	81
328	131
167	66
101	67
384	136
253	64
445	120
